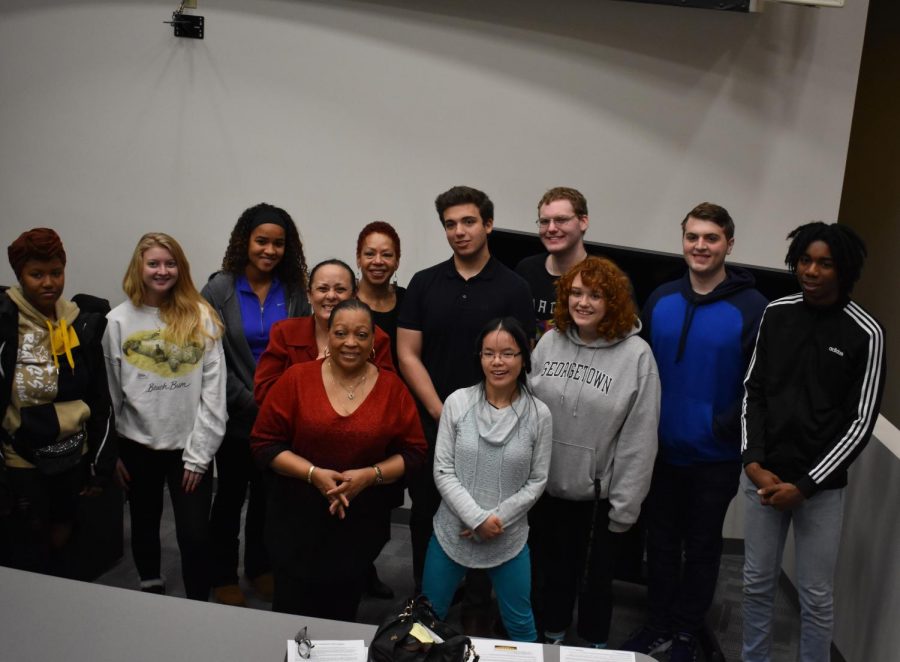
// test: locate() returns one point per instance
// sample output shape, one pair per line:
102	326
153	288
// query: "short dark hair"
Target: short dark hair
42	244
574	196
338	263
464	195
848	250
352	304
707	211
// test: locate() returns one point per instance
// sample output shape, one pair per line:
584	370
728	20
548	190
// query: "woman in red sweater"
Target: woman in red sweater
333	431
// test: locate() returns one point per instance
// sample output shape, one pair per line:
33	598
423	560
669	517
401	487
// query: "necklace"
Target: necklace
351	390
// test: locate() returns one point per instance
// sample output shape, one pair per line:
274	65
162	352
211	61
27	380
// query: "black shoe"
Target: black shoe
648	641
684	648
377	588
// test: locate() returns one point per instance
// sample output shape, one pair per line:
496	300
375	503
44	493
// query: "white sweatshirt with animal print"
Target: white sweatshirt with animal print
166	397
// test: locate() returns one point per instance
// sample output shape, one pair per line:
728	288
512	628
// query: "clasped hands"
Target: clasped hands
489	528
340	488
772	492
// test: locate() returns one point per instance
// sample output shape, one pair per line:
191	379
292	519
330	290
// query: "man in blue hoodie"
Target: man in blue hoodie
702	328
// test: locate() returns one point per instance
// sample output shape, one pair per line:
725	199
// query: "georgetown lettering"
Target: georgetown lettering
578	372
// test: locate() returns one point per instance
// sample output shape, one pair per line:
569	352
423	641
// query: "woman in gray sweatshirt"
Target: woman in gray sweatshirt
490	466
599	379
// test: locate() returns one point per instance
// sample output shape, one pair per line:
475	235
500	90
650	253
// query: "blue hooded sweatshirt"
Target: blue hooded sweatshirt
702	344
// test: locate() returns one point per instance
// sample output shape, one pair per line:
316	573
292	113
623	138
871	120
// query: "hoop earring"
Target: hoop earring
372	354
326	353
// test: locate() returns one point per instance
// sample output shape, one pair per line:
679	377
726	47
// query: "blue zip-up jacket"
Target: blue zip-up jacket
702	344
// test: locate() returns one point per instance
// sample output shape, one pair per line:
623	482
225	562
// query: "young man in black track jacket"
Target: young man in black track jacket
813	391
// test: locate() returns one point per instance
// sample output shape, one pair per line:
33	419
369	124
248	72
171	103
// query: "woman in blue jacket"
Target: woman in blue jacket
263	280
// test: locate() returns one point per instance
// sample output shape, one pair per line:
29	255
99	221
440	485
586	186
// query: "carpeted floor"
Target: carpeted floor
395	568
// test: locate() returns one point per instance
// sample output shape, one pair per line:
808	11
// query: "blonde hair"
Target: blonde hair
183	308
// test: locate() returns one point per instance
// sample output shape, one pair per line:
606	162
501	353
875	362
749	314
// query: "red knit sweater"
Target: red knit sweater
297	415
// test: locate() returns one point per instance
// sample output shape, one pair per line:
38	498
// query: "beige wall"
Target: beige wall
345	111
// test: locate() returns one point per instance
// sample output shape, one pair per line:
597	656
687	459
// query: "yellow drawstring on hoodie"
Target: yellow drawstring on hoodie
63	340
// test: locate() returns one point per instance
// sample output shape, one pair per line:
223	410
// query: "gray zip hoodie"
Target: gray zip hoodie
604	398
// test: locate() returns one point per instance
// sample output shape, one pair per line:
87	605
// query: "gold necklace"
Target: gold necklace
351	390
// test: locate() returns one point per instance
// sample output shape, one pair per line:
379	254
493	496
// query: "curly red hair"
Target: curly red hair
599	273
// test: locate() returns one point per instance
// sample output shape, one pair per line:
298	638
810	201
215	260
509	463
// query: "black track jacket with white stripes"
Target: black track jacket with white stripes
812	391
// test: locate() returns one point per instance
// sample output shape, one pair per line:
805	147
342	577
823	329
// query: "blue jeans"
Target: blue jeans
817	534
511	580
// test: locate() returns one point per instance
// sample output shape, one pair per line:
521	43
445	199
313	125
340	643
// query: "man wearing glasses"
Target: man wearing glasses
562	222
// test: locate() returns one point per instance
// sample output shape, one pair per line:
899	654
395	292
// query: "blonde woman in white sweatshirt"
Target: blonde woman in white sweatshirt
167	376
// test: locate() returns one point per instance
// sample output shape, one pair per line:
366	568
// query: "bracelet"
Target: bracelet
379	477
312	468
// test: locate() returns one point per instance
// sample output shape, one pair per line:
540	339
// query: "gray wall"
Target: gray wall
867	585
343	112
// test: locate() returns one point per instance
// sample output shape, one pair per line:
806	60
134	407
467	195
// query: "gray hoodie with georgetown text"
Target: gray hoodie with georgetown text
604	398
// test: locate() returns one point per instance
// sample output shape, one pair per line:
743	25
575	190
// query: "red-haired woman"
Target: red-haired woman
56	438
378	256
599	379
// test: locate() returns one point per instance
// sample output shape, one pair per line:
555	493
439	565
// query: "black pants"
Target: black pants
42	507
425	501
150	470
337	600
685	511
235	471
560	530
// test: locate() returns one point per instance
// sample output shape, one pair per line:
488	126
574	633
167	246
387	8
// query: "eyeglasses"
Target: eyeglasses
504	356
304	645
558	221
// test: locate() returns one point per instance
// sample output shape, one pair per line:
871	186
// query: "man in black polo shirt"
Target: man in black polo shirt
444	309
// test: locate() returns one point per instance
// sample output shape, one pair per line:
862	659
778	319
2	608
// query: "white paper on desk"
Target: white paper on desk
572	654
499	650
352	650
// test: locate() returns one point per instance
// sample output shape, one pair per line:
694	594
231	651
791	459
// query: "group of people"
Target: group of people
532	415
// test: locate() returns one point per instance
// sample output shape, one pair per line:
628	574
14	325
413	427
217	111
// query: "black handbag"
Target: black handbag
393	641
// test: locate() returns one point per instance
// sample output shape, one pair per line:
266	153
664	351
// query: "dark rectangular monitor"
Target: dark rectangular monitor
722	5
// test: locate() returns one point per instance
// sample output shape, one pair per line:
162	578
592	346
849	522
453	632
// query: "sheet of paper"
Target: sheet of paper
499	650
573	654
352	650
